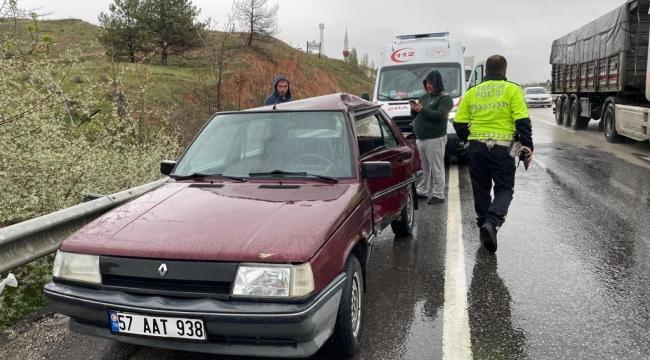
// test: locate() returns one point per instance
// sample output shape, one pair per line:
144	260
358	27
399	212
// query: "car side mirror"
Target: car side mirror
365	96
376	169
166	166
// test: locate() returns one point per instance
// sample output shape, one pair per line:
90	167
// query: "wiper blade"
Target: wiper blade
274	173
198	175
386	97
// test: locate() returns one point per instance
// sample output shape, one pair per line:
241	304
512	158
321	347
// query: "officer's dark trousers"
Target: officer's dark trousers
488	167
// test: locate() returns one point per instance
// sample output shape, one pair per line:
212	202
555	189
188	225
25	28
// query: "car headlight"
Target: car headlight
265	280
77	267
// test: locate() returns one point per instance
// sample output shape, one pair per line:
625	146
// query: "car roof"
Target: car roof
333	102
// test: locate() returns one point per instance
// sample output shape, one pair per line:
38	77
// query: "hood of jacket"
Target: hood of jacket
276	80
435	78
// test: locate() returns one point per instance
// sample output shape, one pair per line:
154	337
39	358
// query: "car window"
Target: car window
255	135
243	143
373	133
401	82
387	134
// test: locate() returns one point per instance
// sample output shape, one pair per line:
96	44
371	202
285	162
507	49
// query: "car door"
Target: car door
377	142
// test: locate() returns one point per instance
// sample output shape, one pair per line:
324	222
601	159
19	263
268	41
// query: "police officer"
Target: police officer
492	115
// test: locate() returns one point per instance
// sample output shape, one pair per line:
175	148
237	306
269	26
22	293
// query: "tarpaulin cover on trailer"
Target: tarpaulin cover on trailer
606	36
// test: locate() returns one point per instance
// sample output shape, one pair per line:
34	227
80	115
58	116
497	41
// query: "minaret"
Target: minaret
346	50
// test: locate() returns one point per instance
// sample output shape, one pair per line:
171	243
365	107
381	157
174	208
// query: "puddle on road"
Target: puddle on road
642	157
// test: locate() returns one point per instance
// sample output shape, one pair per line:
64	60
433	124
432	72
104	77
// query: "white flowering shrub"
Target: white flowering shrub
59	140
62	136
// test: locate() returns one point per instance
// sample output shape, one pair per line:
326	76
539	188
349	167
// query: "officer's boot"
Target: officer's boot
488	234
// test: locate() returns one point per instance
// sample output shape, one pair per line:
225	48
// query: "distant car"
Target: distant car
259	245
538	96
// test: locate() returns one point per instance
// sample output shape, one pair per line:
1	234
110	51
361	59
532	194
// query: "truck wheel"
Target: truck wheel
404	225
577	122
566	118
347	331
610	124
558	110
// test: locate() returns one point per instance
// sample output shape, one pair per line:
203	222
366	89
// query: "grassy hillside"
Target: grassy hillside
187	85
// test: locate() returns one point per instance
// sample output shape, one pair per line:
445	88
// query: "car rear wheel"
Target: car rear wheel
347	331
404	225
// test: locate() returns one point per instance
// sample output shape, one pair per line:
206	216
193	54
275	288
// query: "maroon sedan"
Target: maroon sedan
260	243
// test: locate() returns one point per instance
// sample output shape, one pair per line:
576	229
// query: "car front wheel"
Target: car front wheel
347	331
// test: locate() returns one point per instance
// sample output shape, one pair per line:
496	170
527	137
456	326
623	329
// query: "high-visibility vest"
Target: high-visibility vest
491	108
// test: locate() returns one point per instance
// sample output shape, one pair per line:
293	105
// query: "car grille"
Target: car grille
246	340
181	278
167	287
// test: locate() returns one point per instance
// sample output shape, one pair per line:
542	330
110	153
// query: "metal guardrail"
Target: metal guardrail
32	239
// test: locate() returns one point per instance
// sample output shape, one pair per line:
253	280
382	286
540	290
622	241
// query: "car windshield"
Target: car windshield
536	91
405	81
237	145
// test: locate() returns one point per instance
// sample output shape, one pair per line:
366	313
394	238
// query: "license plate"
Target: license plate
145	325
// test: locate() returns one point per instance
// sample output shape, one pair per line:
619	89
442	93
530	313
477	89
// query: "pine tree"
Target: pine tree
121	32
171	25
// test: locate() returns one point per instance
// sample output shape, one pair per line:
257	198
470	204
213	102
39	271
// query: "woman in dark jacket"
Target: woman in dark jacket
430	128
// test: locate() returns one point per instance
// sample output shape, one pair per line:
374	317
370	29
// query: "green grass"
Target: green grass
186	77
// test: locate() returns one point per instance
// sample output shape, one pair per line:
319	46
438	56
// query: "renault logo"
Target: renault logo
162	269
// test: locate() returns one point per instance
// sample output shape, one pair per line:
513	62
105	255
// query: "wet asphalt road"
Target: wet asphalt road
571	278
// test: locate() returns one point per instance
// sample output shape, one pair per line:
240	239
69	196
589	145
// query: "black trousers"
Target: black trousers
488	169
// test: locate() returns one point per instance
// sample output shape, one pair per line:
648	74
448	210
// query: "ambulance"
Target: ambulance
405	63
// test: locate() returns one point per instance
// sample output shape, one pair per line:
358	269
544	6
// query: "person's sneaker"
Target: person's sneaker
435	200
488	235
421	196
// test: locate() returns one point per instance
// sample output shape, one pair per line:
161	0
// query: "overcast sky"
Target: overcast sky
521	30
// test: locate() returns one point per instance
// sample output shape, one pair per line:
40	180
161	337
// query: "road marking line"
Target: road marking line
540	164
554	125
455	329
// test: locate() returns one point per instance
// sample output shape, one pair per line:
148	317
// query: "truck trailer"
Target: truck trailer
599	72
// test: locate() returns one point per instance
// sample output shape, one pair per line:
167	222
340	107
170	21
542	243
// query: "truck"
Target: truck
599	71
405	63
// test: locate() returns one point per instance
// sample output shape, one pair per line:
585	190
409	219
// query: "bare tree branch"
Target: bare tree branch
256	17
